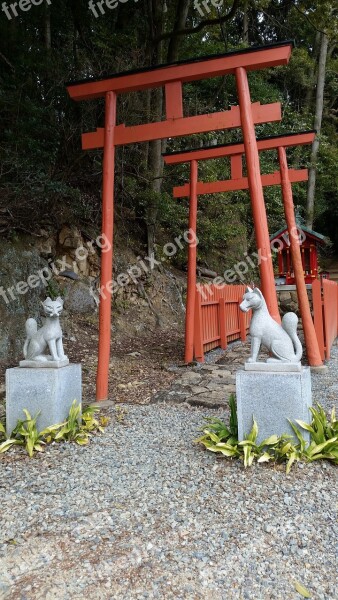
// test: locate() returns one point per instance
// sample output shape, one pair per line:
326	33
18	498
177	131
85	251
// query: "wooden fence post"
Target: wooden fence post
222	323
337	310
330	314
242	324
198	328
318	315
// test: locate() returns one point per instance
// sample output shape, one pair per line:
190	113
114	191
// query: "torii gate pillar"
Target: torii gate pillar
256	193
311	340
102	377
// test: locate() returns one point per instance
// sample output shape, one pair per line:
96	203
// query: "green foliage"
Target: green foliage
220	438
77	428
46	179
120	414
25	434
54	290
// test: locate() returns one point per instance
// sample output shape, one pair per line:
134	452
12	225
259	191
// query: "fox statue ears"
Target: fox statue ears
48	300
249	290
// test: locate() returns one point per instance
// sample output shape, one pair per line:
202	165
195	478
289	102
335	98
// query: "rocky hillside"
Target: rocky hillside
67	264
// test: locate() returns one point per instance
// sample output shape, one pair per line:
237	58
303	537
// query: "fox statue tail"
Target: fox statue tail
31	330
289	324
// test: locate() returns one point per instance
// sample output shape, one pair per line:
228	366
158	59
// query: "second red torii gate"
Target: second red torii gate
284	177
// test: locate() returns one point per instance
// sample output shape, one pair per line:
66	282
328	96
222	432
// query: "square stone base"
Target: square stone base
48	391
273	398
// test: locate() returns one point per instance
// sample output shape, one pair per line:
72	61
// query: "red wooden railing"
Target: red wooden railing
325	314
218	319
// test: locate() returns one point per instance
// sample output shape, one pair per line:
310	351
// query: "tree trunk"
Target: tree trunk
314	73
180	21
156	110
47	32
317	126
246	22
158	146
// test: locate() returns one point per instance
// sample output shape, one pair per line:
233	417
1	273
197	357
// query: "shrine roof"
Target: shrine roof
318	236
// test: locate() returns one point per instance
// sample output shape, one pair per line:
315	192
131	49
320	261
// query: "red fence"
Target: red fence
325	314
218	319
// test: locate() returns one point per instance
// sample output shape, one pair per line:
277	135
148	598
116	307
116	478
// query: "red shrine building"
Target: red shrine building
309	244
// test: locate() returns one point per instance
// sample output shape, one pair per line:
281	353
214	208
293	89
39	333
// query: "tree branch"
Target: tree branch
202	25
7	61
309	20
182	10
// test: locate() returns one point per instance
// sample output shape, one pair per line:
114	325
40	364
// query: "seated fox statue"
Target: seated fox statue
48	337
281	340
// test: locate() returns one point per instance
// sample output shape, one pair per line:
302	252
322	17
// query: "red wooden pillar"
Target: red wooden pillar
318	315
242	324
256	193
223	323
107	255
198	329
192	264
311	342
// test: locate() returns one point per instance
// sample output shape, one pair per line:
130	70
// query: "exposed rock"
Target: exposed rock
79	254
210	385
206	273
70	237
221	374
288	301
70	275
285	297
78	297
199	389
46	245
190	378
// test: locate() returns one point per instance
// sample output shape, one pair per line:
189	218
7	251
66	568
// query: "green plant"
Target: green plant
77	428
104	421
54	290
219	438
26	434
2	431
323	434
120	414
321	428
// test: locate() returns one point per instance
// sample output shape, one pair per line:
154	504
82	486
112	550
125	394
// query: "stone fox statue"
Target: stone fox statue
49	336
281	340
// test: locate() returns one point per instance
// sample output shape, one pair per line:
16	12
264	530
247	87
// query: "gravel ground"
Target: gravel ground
144	513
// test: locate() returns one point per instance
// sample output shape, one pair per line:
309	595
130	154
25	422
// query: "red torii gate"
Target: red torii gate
284	177
172	77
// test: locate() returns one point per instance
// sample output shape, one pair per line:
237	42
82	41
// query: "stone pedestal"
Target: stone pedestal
273	398
48	391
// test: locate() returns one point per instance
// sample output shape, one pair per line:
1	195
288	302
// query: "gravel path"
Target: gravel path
144	513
